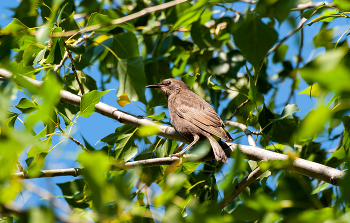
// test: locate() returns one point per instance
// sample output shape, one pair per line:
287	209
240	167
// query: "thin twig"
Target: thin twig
301	23
74	71
247	1
73	139
123	19
298	63
240	187
65	57
239	107
310	5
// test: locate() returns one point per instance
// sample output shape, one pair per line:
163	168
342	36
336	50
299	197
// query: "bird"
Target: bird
192	117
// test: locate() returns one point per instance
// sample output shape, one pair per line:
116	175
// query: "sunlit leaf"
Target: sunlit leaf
313	90
287	111
88	102
314	122
26	106
158	116
147	130
123	100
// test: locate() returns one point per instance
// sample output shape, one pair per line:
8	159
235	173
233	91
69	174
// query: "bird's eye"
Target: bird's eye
168	83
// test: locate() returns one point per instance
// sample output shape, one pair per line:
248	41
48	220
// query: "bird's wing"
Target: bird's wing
197	111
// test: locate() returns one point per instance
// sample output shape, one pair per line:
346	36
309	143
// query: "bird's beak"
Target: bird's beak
153	86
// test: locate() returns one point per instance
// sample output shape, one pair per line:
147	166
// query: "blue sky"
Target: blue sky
98	126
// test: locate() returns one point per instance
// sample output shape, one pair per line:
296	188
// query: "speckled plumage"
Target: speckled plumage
192	117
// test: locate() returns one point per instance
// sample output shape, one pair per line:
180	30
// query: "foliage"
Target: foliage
225	58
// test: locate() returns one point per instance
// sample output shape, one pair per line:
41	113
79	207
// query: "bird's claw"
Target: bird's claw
180	158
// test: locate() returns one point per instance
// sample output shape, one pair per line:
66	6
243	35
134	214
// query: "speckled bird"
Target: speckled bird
192	117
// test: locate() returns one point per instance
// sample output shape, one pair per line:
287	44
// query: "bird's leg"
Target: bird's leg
179	147
195	140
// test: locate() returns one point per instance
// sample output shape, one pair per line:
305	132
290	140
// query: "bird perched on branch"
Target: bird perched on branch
192	117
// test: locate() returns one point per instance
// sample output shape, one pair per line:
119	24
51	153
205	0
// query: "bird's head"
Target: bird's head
170	86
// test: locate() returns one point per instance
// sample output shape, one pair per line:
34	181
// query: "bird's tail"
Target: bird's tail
217	149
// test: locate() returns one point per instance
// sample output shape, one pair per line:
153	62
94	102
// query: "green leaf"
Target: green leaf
36	155
41	214
323	186
189	79
313	90
21	37
158	116
164	149
70	24
215	87
75	193
57	49
50	92
282	130
337	158
116	14
329	71
71	84
126	45
26	106
95	164
287	111
10	122
202	37
147	130
314	122
123	138
114	137
277	9
307	14
343	5
346	133
42	34
264	119
39	57
252	88
88	102
227	64
189	167
59	15
30	53
280	53
190	15
102	20
129	150
259	36
176	12
78	49
132	80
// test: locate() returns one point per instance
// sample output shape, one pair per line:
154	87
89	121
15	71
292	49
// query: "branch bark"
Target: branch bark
305	167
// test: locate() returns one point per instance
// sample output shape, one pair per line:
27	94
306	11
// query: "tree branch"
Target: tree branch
123	19
298	64
239	107
305	167
310	5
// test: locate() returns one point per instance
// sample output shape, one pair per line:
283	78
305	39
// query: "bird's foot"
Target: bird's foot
180	157
176	154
